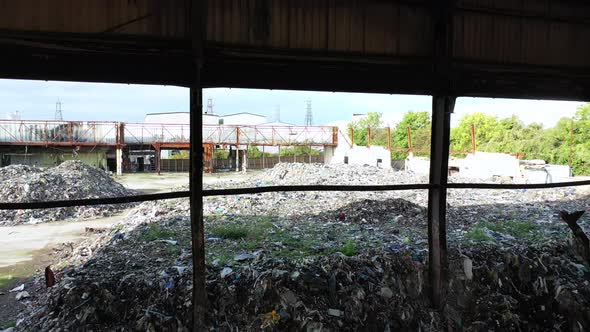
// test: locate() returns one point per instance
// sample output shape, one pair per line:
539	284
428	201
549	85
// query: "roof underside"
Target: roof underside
500	48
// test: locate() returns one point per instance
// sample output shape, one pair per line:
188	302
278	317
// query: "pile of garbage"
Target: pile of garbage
138	281
315	261
321	174
70	180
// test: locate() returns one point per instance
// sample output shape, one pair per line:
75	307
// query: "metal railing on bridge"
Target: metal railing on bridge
95	133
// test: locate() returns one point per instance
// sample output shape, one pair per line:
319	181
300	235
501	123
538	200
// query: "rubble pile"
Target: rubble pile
315	261
70	180
143	283
320	174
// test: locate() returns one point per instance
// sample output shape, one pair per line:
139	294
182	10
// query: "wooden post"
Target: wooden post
442	107
198	12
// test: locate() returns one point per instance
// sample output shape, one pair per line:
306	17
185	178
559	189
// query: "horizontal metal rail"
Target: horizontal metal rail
517	186
258	190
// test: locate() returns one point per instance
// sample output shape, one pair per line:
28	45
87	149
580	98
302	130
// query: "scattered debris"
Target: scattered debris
18	288
22	295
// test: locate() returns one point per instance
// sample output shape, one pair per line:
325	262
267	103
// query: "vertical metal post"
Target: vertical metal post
473	141
442	107
572	145
410	146
158	156
389	138
369	137
263	164
351	137
310	154
237	158
279	153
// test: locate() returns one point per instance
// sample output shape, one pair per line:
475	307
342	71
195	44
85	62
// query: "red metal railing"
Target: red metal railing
80	133
96	133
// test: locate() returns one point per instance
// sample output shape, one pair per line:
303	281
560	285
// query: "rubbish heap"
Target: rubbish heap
319	262
69	180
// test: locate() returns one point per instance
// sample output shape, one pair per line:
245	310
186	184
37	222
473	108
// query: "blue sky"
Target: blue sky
119	102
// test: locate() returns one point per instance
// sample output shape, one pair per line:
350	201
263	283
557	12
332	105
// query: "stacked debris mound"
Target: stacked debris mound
320	174
70	180
518	288
142	283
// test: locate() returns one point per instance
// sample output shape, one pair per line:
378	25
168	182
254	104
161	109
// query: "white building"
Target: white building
242	118
169	117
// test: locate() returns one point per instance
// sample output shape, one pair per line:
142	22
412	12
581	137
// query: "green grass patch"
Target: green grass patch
230	231
157	232
349	248
5	281
526	230
7	324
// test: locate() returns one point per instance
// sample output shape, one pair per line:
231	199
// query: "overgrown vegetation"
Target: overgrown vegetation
4	281
157	232
521	230
349	248
259	233
7	324
508	135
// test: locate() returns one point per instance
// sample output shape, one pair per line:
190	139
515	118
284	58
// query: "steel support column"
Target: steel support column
442	107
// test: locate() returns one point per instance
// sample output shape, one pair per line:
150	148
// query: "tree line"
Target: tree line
566	143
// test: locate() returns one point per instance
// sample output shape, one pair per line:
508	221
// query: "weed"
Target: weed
349	248
156	232
7	324
230	231
4	281
520	230
479	234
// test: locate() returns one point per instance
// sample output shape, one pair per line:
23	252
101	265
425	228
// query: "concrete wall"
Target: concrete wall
486	165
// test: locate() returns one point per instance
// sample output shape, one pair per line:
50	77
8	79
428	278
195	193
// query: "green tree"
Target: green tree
485	126
361	128
299	151
182	154
420	126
